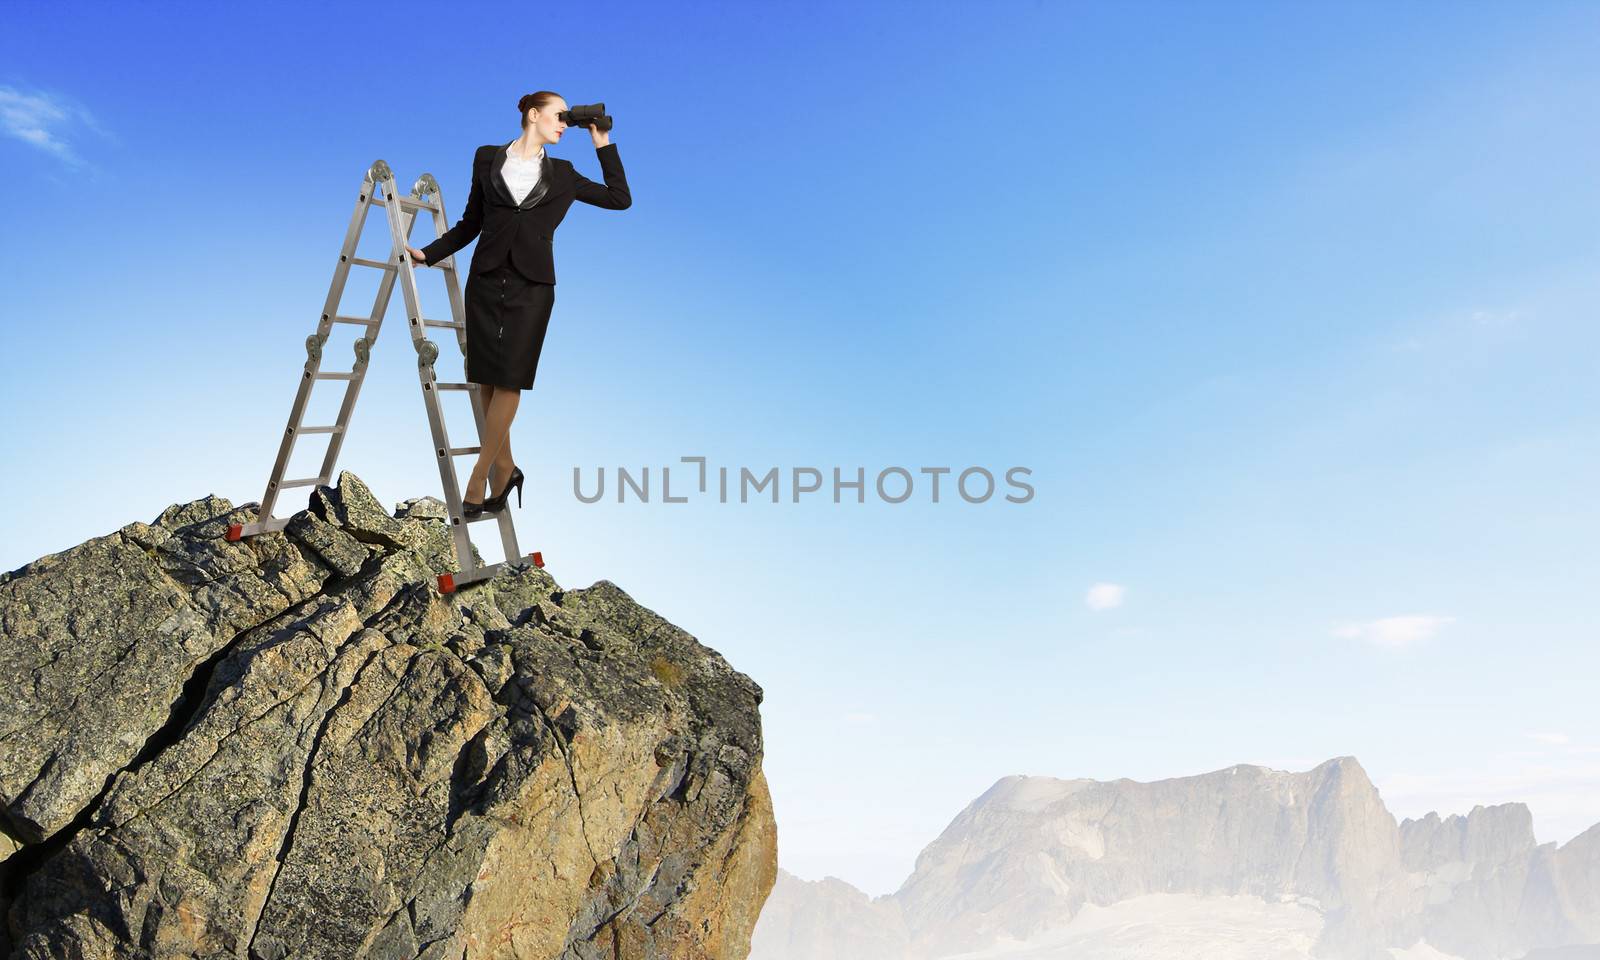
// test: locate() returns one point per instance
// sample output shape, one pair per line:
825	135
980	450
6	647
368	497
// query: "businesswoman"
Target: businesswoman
519	196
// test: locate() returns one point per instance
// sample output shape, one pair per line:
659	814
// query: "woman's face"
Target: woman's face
546	124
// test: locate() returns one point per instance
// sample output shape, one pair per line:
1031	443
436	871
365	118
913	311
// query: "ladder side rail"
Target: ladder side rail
427	354
363	348
458	314
452	287
452	276
314	344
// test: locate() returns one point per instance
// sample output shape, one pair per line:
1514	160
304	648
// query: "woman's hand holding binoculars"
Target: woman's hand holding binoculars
601	137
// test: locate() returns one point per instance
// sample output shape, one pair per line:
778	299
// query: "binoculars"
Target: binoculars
582	116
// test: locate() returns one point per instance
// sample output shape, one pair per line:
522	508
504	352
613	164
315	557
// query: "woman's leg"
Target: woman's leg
486	395
504	464
506	400
500	467
495	443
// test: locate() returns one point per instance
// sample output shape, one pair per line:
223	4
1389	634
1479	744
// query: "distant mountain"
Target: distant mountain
1245	862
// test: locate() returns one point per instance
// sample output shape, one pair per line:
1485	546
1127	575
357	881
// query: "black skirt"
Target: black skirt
507	315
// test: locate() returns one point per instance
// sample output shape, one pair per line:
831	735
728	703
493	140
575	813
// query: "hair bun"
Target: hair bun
534	101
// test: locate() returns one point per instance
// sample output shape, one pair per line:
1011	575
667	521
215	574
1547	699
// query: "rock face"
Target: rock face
1323	834
293	746
1032	867
1490	890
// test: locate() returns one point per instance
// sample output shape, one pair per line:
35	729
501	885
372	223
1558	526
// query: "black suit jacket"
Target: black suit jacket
525	231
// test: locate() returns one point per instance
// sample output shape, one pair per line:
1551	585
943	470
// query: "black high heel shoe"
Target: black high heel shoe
498	503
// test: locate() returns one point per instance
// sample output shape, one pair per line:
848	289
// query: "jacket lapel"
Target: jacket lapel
498	177
547	170
540	189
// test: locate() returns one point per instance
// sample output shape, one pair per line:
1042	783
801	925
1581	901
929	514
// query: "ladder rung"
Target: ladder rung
463	451
407	201
374	263
451	582
366	320
335	428
307	482
452	324
336	376
456	386
239	531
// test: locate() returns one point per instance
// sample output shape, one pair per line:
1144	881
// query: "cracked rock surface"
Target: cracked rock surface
294	746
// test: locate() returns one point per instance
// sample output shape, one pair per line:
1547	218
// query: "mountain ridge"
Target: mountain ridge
1032	855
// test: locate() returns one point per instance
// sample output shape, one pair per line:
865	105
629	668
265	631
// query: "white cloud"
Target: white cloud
39	119
1455	330
1495	318
1104	596
860	718
1554	739
1394	632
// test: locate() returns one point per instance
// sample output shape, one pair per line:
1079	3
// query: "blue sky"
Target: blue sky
1288	308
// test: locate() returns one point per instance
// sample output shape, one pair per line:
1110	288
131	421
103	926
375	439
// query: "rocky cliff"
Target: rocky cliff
293	746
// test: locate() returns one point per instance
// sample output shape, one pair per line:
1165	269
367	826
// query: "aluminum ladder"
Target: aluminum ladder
378	189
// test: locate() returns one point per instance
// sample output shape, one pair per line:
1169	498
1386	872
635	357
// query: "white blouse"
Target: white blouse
521	175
